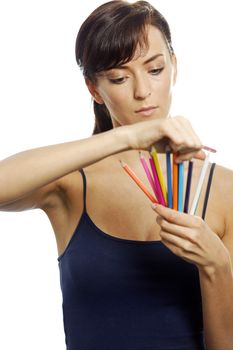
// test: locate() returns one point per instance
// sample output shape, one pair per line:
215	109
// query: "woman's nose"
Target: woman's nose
142	89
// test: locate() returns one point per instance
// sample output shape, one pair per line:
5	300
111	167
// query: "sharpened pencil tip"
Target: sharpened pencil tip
122	163
152	148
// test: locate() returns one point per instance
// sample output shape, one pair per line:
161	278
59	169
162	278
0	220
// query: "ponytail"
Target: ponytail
103	121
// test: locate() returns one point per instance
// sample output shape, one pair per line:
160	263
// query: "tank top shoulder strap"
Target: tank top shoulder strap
84	189
208	190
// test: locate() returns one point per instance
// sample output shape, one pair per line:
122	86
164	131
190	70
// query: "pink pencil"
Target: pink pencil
157	183
207	148
148	174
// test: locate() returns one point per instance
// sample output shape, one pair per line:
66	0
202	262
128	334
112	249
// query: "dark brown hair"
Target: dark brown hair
109	37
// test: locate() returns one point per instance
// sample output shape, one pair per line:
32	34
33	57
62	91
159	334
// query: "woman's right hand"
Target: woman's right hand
175	134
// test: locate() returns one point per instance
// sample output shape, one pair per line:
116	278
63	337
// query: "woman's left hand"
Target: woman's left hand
190	238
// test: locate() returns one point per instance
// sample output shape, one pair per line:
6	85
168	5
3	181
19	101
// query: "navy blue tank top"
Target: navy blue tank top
121	294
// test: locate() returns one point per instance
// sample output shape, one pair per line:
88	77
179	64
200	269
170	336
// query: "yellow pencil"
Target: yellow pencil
159	172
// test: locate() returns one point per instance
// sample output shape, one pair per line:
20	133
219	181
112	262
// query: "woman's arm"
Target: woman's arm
28	171
217	296
217	283
191	238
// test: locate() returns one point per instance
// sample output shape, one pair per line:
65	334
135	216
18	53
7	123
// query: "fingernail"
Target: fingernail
153	206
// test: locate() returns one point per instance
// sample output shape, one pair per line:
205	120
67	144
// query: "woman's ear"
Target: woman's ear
93	91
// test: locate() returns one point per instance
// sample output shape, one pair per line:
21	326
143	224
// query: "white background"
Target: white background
44	101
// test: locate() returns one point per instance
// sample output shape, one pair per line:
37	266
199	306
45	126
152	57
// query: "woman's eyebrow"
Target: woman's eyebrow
150	59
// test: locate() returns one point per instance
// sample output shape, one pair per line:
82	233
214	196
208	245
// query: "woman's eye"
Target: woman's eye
156	71
117	80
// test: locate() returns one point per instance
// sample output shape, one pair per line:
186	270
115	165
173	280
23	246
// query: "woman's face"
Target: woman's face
141	89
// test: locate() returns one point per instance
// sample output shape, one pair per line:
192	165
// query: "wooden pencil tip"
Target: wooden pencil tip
122	163
168	149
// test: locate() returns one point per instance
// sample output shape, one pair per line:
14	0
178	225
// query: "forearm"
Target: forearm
26	171
217	296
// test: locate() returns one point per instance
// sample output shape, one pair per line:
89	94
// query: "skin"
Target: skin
208	245
146	81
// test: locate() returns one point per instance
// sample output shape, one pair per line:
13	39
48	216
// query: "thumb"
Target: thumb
200	155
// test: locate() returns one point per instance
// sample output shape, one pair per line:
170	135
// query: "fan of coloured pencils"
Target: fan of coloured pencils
173	195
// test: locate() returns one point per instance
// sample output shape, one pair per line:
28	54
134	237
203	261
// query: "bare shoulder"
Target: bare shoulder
70	191
65	208
67	199
66	214
223	186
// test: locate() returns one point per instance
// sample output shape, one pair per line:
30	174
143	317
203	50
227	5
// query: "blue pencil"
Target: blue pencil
169	179
188	187
180	186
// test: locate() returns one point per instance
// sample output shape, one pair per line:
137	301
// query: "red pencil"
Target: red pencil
138	182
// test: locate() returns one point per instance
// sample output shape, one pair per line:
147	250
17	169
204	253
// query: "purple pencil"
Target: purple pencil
188	187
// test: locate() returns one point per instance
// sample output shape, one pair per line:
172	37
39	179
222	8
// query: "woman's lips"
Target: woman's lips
146	110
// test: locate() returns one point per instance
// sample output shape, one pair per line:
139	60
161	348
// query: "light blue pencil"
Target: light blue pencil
169	179
180	186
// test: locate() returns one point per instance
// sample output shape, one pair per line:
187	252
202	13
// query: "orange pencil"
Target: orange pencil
175	183
138	182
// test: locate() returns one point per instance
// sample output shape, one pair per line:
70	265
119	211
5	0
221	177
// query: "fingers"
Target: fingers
200	155
171	228
182	139
175	225
177	218
192	154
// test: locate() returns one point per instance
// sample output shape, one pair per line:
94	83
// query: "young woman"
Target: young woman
132	276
